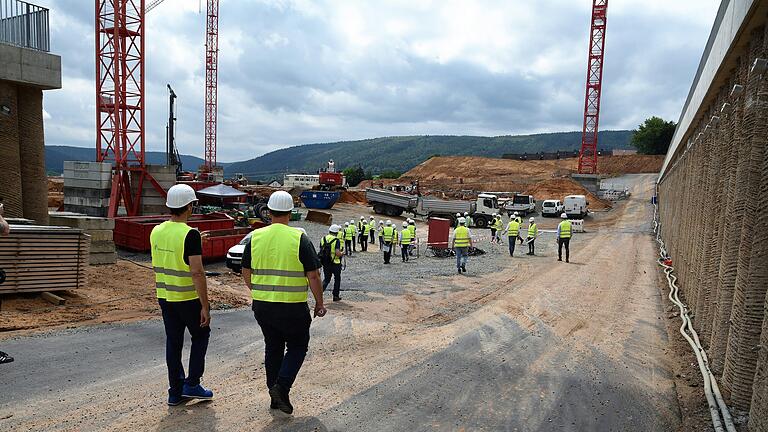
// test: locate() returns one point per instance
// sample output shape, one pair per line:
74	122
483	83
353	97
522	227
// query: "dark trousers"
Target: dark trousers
363	242
372	239
493	233
404	251
348	247
520	238
286	339
511	241
354	244
332	270
177	317
388	255
560	243
381	241
531	247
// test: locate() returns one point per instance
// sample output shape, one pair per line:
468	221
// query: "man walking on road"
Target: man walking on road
279	266
533	232
519	222
365	232
372	230
330	257
5	229
353	228
513	230
563	238
462	241
182	292
349	239
405	241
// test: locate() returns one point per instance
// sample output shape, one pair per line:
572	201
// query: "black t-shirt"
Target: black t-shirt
307	255
193	245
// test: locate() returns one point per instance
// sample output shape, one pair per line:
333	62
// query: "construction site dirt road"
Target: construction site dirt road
537	346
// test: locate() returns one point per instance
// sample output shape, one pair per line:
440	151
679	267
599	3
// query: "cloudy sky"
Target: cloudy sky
302	71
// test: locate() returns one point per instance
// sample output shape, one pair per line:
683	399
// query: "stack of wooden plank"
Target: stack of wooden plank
42	258
102	250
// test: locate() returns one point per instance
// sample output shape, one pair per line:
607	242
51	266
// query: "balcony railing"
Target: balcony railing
24	24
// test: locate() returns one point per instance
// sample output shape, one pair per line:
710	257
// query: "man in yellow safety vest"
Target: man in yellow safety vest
331	251
462	242
279	265
405	240
564	238
513	230
533	232
183	295
349	238
389	237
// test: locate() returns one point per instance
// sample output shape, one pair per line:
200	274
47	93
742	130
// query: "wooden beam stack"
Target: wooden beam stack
42	258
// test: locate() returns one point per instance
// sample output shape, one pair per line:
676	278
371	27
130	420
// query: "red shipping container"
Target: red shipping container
439	230
216	243
132	232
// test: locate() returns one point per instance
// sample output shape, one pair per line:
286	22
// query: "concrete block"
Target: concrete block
84	222
104	176
88	211
86	201
88	166
87	184
155	210
152	201
10	63
98	247
100	235
87	193
103	258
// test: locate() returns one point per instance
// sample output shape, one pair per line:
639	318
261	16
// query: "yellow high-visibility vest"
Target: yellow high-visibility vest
388	233
367	229
405	237
349	232
173	278
461	237
533	230
277	274
565	229
513	228
330	238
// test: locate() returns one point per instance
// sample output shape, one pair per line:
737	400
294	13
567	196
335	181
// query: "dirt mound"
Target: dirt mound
352	197
56	192
630	164
560	187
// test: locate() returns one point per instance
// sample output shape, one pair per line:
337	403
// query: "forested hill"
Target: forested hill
403	153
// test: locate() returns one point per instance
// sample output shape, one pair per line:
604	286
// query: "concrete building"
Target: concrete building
27	68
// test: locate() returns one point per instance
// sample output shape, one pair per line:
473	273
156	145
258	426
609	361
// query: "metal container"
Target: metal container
132	233
319	199
438	233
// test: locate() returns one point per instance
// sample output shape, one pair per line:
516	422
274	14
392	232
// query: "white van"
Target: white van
552	208
576	206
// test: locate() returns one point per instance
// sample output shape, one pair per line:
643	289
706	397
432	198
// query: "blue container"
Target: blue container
319	199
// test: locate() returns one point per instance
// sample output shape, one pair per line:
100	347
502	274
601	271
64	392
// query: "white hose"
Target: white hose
717	406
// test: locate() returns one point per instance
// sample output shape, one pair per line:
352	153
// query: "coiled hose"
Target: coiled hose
717	406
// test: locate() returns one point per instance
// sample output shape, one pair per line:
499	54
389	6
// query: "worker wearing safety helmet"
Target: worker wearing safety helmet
348	239
362	233
406	238
499	225
372	230
533	232
182	292
564	230
389	234
412	227
513	231
353	228
378	231
520	221
279	265
494	226
461	244
468	219
331	252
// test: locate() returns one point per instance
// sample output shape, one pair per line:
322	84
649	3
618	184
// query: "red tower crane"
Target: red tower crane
588	153
120	100
211	82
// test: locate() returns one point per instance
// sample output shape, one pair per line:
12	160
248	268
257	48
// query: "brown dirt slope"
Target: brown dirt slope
557	188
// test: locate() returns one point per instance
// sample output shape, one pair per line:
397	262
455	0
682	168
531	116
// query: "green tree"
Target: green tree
354	175
390	174
653	136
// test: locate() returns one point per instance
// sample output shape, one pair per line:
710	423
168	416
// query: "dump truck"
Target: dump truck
390	203
395	204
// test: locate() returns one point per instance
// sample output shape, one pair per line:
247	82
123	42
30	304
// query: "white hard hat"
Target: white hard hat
381	222
564	216
334	228
179	196
280	201
362	217
346	223
495	214
372	217
389	222
514	214
405	223
466	213
530	220
351	221
458	214
462	220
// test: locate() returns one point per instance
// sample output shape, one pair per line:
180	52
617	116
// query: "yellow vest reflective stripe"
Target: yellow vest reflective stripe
405	236
513	228
349	233
340	235
532	230
173	279
565	229
461	237
330	238
388	232
412	229
366	229
277	274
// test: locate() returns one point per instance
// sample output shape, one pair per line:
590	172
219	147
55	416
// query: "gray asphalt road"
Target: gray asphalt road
575	348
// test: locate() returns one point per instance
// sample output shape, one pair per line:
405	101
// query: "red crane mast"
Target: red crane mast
588	153
211	82
120	100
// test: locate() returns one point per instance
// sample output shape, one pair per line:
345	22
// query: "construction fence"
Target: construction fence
713	204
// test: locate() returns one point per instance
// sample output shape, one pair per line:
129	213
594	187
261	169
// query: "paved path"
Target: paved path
557	347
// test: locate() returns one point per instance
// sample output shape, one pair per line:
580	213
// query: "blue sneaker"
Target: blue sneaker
174	400
197	392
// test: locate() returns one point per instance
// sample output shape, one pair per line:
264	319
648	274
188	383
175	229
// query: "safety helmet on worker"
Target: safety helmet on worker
462	221
381	222
372	218
466	214
564	216
495	214
179	196
346	224
280	201
411	222
458	214
352	221
405	224
530	220
514	214
389	222
334	229
362	217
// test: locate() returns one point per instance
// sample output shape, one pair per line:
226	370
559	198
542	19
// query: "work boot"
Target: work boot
336	298
279	395
459	269
566	260
560	259
196	392
174	400
464	268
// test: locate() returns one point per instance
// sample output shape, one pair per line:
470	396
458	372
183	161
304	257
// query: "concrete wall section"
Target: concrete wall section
30	67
